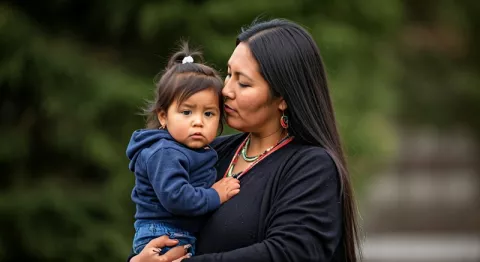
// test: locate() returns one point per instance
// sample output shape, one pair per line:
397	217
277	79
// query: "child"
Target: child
173	164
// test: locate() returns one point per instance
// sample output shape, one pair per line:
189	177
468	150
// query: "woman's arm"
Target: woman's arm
305	219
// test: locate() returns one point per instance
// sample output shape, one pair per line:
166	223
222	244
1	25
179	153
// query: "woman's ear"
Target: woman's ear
283	105
162	118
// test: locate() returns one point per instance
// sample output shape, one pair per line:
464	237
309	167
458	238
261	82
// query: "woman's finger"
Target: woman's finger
180	259
178	252
160	242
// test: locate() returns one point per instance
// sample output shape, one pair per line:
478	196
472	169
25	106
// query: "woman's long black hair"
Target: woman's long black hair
290	62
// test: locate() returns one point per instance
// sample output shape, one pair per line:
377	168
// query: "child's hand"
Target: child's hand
226	188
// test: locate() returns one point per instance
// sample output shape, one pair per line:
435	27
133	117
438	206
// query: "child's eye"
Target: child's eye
209	114
187	112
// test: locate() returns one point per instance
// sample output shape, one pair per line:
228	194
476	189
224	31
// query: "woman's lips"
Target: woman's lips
228	109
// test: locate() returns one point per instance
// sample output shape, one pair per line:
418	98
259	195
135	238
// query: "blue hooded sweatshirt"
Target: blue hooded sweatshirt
172	182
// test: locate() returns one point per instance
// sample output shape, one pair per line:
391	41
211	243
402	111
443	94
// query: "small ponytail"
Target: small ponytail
184	51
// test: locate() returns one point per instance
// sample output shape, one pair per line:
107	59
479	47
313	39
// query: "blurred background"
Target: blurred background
74	75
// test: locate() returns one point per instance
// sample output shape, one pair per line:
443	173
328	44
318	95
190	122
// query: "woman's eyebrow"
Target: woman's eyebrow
240	73
244	75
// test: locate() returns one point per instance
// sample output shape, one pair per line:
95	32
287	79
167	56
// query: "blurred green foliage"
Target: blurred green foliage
74	75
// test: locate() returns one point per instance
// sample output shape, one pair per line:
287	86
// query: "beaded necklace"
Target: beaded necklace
242	150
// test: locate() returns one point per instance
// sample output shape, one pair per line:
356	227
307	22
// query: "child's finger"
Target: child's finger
233	192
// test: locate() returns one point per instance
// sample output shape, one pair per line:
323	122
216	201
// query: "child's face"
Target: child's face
193	123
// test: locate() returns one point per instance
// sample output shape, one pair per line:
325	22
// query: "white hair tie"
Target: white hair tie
187	59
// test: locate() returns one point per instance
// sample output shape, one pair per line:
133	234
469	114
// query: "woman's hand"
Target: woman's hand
151	251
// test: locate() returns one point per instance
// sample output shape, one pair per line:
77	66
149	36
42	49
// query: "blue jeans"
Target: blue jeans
146	230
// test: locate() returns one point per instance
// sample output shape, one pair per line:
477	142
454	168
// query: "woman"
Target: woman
295	201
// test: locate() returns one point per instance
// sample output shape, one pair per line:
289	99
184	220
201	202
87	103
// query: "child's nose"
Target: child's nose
197	121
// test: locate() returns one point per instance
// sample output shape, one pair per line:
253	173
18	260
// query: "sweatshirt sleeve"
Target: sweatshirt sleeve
305	219
167	170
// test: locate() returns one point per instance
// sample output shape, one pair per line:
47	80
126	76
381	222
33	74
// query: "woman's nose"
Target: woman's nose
227	90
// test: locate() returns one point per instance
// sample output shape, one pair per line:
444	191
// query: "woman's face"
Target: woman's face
249	107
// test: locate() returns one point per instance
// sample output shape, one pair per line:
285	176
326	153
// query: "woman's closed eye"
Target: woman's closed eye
229	76
243	85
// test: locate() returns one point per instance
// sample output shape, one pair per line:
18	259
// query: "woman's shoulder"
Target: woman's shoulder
303	165
303	150
308	157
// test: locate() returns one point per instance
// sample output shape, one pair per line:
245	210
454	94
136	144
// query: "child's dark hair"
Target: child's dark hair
181	80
